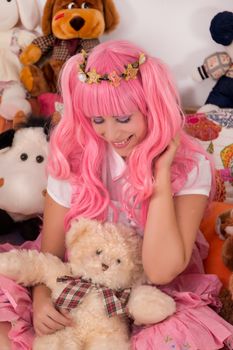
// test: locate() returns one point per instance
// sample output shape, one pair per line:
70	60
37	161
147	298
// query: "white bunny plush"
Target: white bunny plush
99	284
18	19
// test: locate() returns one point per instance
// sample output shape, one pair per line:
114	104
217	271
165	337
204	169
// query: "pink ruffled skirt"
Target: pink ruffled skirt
195	325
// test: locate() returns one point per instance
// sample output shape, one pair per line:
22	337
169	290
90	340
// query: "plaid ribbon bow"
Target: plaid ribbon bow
76	288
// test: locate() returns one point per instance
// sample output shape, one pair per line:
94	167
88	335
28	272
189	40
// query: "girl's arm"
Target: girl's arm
172	225
46	319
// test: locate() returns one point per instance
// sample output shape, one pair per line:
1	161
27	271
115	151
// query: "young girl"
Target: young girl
120	154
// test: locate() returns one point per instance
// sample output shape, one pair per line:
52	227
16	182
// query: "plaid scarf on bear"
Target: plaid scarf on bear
76	288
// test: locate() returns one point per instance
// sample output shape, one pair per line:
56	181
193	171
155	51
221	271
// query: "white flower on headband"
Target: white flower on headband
82	77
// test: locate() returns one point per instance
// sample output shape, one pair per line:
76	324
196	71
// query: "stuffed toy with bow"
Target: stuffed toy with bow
68	27
99	285
18	19
219	65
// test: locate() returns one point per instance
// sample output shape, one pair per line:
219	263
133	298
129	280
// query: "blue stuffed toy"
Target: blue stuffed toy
219	66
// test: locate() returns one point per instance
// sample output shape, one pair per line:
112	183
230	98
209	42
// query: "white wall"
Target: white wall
177	31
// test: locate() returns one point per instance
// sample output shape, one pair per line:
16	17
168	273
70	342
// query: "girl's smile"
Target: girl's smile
122	132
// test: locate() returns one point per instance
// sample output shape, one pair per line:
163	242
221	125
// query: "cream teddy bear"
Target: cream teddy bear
18	19
100	283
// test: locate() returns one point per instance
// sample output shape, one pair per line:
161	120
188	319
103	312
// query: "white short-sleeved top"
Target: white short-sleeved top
198	181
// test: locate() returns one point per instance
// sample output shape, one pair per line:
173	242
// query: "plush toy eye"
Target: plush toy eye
98	251
118	261
85	5
72	5
23	156
39	159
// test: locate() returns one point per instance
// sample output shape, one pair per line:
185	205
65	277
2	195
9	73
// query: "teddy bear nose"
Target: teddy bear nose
104	267
77	22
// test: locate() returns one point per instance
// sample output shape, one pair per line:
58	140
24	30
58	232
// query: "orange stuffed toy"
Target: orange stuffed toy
68	27
224	228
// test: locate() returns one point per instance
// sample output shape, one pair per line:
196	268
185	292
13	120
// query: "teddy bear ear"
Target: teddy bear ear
111	15
47	17
79	228
29	13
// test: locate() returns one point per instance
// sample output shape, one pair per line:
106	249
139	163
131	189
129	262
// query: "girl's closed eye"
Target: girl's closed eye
98	120
123	119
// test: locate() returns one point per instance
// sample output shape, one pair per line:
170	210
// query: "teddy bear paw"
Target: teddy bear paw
148	305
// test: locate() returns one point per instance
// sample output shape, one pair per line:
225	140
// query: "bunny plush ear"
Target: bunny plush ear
29	13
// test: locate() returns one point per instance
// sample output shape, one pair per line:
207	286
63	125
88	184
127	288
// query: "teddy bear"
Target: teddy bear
18	19
219	65
23	178
68	28
100	284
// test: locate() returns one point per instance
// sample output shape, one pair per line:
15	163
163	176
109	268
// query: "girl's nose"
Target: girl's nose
110	132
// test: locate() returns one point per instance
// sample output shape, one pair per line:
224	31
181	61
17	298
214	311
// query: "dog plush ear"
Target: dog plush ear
47	17
111	15
29	13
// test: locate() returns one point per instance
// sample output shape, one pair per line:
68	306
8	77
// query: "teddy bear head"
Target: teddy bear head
19	12
221	31
67	19
107	254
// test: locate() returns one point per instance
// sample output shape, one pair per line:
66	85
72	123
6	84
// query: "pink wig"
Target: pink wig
78	153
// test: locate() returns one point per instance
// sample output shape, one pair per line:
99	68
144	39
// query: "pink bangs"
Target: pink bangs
103	98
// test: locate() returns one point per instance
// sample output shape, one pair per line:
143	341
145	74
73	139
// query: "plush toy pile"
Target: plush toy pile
23	178
101	281
18	19
68	27
219	65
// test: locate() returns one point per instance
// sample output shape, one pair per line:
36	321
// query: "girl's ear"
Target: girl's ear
47	17
29	13
111	15
6	140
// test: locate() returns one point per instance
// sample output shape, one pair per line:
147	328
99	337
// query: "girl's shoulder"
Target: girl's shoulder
199	179
60	191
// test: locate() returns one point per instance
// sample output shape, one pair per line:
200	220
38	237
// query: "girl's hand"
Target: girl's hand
46	319
166	158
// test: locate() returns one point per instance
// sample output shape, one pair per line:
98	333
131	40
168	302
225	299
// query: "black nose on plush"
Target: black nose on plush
77	23
104	267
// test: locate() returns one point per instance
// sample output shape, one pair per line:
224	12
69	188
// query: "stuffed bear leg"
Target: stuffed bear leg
63	339
108	342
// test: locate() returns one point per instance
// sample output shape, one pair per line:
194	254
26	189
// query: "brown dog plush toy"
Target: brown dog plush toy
68	27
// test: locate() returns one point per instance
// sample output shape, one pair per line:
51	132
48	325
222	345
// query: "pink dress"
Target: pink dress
194	326
16	305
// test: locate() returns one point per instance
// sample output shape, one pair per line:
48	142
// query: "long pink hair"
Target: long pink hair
78	154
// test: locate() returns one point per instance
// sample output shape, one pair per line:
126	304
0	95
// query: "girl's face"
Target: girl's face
122	132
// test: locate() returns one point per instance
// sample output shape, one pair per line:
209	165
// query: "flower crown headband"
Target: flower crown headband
113	78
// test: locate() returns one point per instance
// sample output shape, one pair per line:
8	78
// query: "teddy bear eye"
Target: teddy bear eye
118	261
85	5
71	5
98	251
23	156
